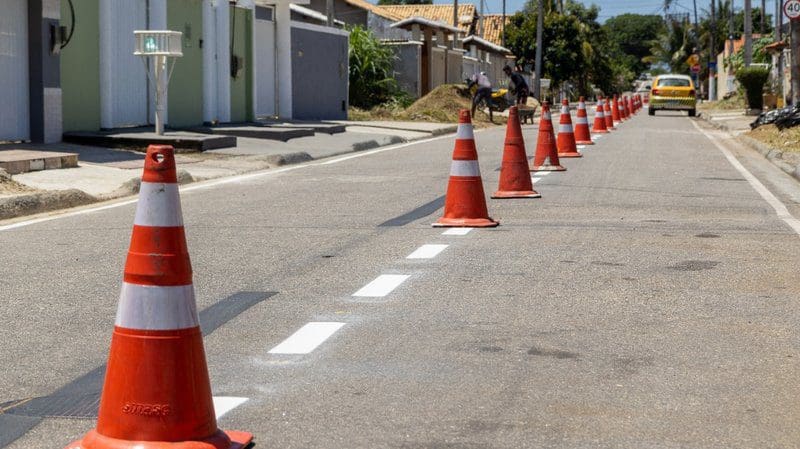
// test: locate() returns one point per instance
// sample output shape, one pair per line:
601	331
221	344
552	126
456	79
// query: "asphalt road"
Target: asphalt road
647	300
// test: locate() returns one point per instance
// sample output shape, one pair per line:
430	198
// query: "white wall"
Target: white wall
14	85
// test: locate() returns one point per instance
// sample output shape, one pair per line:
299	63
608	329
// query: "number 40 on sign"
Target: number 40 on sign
792	9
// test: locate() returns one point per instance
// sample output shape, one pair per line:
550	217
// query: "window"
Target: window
673	82
263	13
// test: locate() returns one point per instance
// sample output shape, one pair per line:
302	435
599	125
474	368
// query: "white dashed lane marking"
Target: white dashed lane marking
307	338
224	404
382	285
427	252
457	231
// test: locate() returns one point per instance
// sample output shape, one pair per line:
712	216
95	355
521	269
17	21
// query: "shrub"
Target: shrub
371	70
753	80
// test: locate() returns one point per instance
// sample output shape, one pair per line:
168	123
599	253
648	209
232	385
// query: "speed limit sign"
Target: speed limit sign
792	9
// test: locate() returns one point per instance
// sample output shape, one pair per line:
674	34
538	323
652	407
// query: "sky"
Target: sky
610	8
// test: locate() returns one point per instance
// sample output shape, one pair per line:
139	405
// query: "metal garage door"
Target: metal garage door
14	107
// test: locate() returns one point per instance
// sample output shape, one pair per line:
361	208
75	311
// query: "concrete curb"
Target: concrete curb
52	200
786	161
35	203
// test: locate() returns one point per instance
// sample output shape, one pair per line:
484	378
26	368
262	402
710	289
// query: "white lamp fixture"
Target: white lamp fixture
159	47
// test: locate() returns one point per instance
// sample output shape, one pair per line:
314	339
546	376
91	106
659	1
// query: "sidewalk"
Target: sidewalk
738	125
106	173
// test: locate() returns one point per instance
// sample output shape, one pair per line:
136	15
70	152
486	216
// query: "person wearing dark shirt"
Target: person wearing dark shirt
517	85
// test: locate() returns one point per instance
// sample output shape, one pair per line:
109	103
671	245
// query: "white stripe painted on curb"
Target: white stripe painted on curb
780	208
382	285
544	173
307	338
581	147
224	404
457	231
427	252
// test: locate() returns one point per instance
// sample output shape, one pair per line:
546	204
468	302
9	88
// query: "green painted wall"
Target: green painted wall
242	84
80	67
185	101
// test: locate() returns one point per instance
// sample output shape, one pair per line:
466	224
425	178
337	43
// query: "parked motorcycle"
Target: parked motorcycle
499	101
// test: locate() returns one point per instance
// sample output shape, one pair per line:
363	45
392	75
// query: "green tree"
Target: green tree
671	47
630	37
574	49
372	79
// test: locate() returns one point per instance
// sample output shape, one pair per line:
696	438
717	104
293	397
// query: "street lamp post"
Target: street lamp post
159	47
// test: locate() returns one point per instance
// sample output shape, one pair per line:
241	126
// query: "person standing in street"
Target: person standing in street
484	91
517	85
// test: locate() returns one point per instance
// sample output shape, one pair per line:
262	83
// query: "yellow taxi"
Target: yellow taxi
673	93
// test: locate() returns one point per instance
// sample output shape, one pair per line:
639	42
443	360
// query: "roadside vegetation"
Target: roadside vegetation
787	140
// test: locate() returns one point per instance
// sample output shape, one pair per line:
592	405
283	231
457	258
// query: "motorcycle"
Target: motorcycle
499	101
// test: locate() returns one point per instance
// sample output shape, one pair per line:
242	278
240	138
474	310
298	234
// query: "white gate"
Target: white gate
265	62
124	96
14	103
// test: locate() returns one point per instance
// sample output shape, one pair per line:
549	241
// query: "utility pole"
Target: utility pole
480	23
696	29
748	33
503	25
730	47
455	13
712	56
794	39
329	12
537	86
764	17
779	38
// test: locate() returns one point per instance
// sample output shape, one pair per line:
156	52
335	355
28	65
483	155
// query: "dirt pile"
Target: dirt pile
10	187
442	104
439	105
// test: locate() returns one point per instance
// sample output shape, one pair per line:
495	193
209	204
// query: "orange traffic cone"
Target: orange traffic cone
566	137
616	109
582	134
624	113
599	126
607	113
157	394
546	144
627	106
515	179
465	203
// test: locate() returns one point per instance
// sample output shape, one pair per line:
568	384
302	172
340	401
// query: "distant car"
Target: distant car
673	93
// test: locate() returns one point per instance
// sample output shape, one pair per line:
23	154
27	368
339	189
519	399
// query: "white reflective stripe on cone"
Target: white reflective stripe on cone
564	110
464	131
159	205
546	116
465	168
581	121
565	129
148	307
